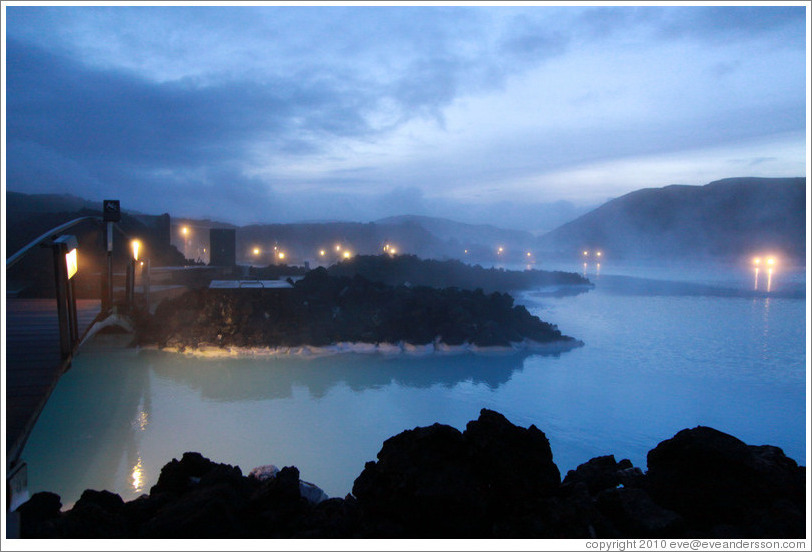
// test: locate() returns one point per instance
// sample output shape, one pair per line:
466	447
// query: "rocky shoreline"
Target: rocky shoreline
493	480
322	311
208	350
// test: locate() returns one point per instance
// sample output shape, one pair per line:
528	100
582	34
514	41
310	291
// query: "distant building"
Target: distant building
157	229
223	245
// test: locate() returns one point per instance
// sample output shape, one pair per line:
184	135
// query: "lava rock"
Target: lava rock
38	516
714	479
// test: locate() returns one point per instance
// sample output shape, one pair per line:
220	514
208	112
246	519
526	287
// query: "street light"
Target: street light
185	231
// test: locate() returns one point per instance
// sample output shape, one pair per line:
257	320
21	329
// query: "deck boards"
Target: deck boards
33	363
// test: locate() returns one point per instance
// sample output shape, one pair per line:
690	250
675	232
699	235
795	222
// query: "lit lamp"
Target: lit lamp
136	247
185	231
66	264
70	246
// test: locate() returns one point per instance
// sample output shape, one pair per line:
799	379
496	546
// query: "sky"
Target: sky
519	116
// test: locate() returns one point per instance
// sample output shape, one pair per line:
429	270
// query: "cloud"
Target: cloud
270	113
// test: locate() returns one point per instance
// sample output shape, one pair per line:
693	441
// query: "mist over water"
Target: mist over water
665	348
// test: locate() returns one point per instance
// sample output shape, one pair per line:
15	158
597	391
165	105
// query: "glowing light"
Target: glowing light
72	262
322	252
256	251
138	476
598	253
529	254
500	250
586	253
184	230
393	251
769	278
347	254
136	245
281	254
466	251
771	261
756	261
338	247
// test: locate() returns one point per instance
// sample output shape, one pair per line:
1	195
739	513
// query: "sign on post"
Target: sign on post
112	210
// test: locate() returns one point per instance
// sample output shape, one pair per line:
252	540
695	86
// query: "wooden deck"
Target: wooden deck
33	363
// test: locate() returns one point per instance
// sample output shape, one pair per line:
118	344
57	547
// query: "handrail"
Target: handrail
11	261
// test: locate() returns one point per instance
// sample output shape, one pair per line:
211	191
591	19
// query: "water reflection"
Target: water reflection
274	378
101	408
629	285
138	476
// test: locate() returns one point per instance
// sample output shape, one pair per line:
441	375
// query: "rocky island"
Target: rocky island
492	480
322	310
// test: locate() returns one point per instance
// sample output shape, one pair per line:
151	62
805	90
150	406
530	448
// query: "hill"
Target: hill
427	237
726	219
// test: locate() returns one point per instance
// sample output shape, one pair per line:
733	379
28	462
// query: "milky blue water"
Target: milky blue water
676	350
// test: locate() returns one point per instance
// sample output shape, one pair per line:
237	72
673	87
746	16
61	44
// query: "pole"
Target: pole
109	295
61	281
145	279
129	286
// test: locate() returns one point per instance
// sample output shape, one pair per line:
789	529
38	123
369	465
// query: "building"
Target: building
223	246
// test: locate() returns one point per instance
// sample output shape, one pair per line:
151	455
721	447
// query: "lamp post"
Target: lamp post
185	232
136	246
112	214
66	265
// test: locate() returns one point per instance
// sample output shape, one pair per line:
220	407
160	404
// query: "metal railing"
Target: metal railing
48	236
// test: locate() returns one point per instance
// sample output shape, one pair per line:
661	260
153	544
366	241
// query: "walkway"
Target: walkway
33	363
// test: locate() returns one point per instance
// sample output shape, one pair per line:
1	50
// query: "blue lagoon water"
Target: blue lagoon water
661	354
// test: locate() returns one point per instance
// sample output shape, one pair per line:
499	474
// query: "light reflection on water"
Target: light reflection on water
658	358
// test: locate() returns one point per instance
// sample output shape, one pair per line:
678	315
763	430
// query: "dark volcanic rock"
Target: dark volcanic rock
320	310
494	480
713	479
39	515
517	463
438	482
633	512
423	485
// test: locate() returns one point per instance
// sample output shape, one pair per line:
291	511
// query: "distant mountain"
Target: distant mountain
724	219
47	203
465	234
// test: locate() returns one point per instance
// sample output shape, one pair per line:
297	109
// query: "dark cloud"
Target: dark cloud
114	117
286	113
529	41
721	23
